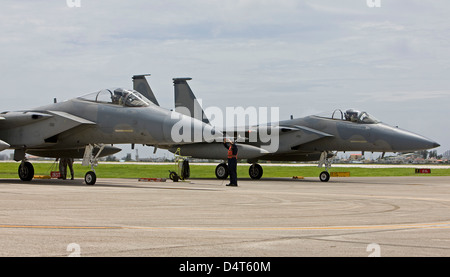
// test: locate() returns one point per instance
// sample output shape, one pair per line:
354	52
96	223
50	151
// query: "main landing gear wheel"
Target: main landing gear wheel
90	178
26	171
255	171
324	176
222	171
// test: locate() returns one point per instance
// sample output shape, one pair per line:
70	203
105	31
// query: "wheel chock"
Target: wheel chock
152	179
340	174
42	177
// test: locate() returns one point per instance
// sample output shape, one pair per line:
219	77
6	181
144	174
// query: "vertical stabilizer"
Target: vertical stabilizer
185	101
141	85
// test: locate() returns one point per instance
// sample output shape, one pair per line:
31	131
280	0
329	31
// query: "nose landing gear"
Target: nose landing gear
324	176
90	178
90	159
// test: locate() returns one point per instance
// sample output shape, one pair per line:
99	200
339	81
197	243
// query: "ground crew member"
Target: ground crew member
63	163
62	168
70	164
232	161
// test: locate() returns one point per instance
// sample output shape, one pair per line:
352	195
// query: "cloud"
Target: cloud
405	96
384	26
291	54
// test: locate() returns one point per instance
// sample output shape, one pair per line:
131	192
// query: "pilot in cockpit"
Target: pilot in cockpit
351	115
119	96
116	96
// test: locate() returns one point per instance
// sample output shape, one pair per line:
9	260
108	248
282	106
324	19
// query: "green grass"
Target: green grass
308	171
126	170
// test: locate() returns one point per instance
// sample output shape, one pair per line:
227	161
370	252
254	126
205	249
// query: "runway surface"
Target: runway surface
348	217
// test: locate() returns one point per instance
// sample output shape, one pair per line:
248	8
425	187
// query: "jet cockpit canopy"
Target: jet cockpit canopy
354	116
118	96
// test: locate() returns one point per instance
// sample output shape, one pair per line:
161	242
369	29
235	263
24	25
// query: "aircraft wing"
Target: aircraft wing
34	128
71	117
293	137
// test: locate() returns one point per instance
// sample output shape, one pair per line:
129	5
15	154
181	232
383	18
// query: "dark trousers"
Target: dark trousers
232	166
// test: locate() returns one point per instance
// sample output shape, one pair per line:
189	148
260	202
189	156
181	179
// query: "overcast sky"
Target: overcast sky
304	57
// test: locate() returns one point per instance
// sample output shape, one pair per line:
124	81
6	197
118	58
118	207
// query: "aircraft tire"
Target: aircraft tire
222	171
185	170
255	171
324	176
90	178
26	171
174	176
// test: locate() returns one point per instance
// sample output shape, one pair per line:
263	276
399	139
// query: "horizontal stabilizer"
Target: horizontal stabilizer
45	127
16	119
141	85
3	145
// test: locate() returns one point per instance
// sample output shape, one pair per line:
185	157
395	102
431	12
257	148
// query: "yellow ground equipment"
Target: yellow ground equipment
182	164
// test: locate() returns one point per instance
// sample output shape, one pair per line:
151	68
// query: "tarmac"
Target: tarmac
279	217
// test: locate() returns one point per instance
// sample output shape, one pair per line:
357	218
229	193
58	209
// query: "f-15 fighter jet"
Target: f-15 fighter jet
87	127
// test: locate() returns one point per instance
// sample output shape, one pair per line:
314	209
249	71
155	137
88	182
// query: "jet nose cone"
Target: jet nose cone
426	143
417	142
405	141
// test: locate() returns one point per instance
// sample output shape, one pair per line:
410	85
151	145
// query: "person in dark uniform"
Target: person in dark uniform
62	168
232	161
69	162
63	164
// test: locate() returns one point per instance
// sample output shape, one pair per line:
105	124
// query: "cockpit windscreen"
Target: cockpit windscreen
354	116
118	96
360	117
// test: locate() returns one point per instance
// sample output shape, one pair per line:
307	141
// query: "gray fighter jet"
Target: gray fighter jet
88	126
312	138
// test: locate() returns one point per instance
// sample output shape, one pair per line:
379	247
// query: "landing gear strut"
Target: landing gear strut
324	176
89	159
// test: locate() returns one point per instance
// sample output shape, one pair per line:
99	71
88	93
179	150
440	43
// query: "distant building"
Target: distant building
356	157
446	155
